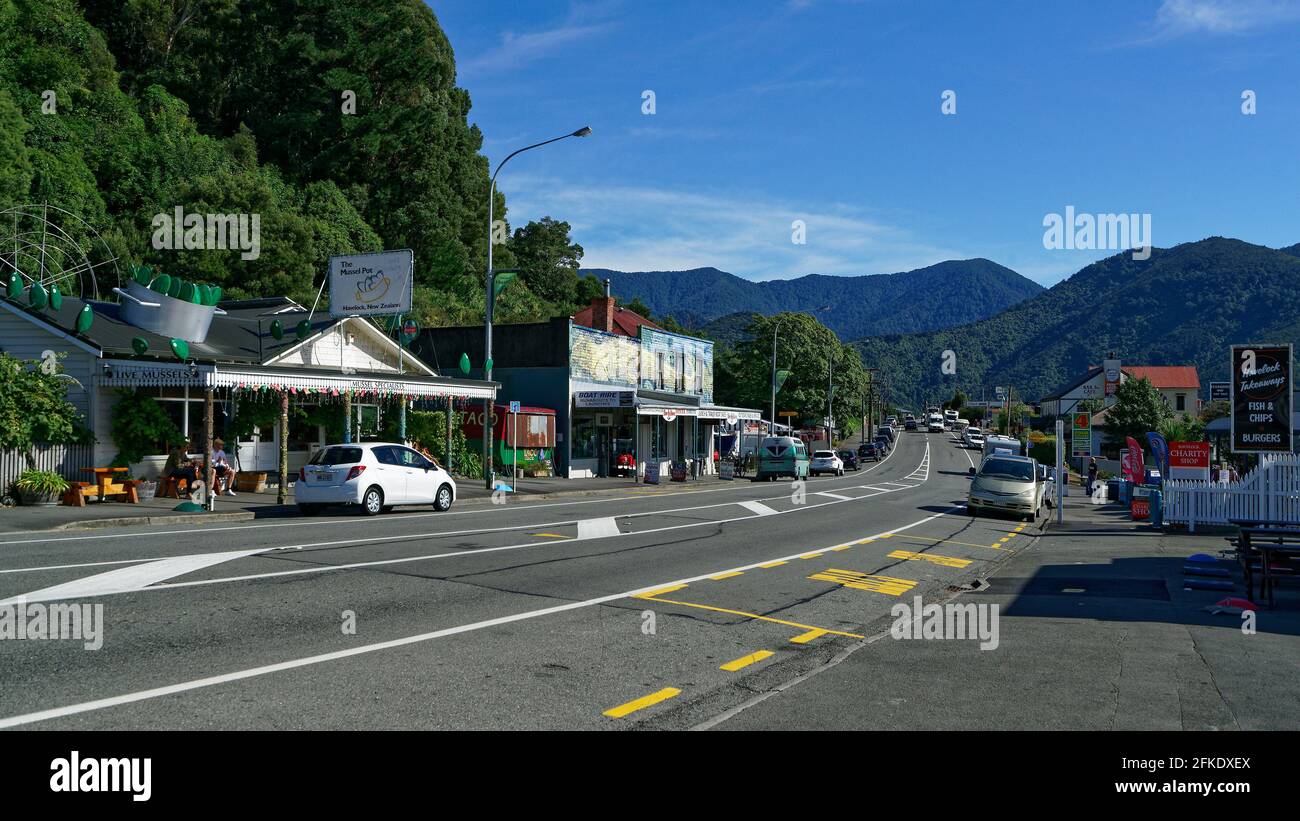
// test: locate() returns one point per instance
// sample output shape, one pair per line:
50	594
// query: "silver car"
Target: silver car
1006	484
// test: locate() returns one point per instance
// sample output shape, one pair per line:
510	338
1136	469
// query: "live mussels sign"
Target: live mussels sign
1261	399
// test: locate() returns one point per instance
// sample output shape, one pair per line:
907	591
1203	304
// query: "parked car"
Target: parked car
887	432
884	444
850	460
377	476
825	461
871	450
1006	484
781	456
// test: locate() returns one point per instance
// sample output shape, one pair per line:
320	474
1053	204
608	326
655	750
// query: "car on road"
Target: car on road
973	438
825	461
1006	444
934	423
909	423
949	419
871	450
888	433
850	460
1006	484
884	444
376	476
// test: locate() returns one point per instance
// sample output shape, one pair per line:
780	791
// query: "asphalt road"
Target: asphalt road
641	608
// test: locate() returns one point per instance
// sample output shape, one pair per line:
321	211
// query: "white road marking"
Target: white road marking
252	672
129	579
758	507
834	495
598	528
472	552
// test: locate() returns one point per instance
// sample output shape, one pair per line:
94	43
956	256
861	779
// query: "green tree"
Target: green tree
548	260
34	407
1138	408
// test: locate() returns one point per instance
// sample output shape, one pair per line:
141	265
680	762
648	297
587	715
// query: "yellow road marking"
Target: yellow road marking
886	535
756	616
804	638
722	576
946	561
772	564
864	541
862	581
1005	539
745	661
947	541
552	535
810	555
651	593
642	703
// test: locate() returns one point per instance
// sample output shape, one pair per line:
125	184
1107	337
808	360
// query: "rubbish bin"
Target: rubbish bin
1156	497
1112	490
1125	492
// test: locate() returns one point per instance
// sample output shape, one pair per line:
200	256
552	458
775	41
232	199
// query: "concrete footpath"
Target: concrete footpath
1096	632
247	506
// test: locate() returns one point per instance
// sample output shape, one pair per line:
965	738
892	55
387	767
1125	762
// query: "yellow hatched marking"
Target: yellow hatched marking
660	591
755	616
722	576
772	564
552	535
864	541
946	561
1005	539
862	581
887	535
810	555
745	661
642	703
841	547
946	541
804	638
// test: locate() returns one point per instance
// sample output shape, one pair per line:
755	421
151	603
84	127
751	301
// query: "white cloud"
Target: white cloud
1224	16
516	50
632	228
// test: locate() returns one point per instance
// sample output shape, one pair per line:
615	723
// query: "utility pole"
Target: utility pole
773	418
830	395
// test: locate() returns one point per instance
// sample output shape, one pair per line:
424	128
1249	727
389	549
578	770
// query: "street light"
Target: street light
491	298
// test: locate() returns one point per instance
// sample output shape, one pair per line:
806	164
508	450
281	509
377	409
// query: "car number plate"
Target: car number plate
324	477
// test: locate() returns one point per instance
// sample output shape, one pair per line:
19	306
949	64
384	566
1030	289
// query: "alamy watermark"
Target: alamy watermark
59	621
180	231
1091	232
946	621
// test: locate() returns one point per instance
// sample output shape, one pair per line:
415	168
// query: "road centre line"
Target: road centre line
307	661
596	533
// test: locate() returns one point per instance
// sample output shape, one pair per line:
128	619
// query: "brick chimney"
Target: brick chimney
602	311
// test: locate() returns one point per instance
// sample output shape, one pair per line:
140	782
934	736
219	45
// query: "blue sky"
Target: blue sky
829	111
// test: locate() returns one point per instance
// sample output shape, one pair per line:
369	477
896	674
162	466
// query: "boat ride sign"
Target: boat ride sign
1261	399
377	284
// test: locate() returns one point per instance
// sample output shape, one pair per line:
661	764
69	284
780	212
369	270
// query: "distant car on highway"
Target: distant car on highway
934	424
949	419
850	460
377	476
1006	484
825	461
973	438
909	423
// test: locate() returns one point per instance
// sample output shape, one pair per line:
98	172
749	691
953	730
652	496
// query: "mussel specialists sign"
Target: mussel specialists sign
377	284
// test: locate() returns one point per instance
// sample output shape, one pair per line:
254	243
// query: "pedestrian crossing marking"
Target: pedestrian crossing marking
946	561
888	585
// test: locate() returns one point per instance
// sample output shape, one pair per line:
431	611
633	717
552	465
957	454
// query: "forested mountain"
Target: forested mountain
1183	306
938	296
339	124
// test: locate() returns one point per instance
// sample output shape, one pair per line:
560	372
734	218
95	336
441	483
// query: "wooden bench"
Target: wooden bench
172	487
75	495
1273	551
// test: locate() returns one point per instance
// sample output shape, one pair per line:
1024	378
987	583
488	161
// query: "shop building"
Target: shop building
621	386
342	376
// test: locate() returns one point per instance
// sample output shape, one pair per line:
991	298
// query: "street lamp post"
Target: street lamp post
491	298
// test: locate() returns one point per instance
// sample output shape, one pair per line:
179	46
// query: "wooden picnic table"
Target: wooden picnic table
105	487
1266	538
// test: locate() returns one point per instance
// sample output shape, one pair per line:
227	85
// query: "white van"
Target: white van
995	443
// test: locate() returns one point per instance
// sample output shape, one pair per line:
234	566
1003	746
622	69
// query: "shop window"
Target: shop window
584	438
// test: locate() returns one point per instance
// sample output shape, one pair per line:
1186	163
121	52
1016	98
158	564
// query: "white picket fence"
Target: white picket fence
1269	493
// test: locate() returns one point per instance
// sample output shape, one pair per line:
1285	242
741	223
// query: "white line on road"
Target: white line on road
758	507
130	578
598	528
834	495
252	672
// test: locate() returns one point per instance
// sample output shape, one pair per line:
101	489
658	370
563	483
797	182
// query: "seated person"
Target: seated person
181	466
225	472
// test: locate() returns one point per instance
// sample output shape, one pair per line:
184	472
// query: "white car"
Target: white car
934	424
973	438
378	476
825	461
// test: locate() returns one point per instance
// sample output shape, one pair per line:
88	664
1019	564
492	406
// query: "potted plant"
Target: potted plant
144	489
41	487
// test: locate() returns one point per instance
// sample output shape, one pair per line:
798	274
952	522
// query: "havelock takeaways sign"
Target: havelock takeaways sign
375	284
1261	398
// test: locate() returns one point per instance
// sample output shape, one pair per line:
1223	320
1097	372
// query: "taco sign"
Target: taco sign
375	284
